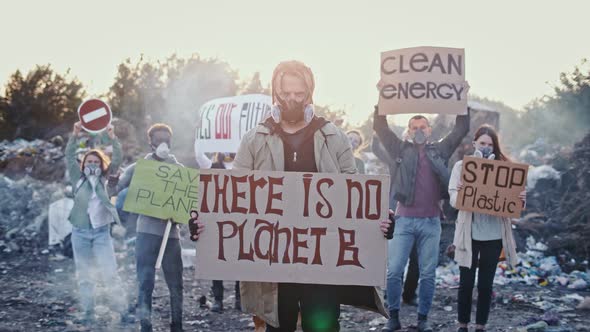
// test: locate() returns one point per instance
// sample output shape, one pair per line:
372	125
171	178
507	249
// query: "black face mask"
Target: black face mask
292	111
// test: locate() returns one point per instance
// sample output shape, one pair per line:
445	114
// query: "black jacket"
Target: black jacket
404	155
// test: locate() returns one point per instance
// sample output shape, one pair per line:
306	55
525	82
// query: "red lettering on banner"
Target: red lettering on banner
260	183
272	196
306	186
318	232
319	205
205	178
223	121
221	191
294	239
238	194
364	196
299	244
244	255
350	184
234	231
266	227
287	232
243	189
348	246
377	214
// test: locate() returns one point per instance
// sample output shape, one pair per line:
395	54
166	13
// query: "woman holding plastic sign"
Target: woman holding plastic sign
479	239
222	161
91	218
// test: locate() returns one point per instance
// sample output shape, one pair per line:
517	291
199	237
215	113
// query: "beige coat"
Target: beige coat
462	238
261	150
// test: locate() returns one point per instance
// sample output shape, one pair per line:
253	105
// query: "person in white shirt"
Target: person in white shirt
91	218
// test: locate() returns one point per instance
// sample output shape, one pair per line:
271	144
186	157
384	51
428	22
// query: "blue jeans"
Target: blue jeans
425	233
147	247
94	255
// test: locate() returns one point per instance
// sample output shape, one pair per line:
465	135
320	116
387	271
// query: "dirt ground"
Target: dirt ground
38	293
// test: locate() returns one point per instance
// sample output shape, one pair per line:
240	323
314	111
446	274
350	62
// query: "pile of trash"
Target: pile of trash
24	213
38	158
534	268
558	204
21	147
540	152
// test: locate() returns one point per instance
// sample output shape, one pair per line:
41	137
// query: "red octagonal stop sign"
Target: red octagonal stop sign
95	115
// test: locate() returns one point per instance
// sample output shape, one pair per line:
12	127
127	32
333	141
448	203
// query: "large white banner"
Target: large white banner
292	227
224	121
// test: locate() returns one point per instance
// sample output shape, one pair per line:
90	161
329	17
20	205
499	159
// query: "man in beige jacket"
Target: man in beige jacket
294	139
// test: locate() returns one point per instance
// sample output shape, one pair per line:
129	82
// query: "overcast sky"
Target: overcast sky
514	50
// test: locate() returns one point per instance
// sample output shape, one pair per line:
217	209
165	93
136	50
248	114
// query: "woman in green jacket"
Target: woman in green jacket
91	218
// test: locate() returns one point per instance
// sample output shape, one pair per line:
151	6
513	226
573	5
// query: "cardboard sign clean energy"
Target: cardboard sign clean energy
224	121
492	187
423	80
95	115
162	190
292	227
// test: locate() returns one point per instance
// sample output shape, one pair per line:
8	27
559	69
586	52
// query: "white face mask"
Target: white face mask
92	169
163	151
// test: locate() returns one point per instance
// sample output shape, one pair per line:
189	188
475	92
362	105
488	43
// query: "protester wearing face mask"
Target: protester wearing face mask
150	232
411	279
420	179
293	139
222	161
91	218
356	141
479	239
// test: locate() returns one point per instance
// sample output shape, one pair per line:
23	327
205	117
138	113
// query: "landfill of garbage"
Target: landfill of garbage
24	226
549	290
21	147
38	158
558	204
533	269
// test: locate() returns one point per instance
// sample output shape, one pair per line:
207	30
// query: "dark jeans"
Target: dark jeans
217	289
319	306
411	281
485	257
146	251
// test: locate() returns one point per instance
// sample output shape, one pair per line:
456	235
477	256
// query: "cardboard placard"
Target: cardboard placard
492	187
423	80
162	190
224	121
292	227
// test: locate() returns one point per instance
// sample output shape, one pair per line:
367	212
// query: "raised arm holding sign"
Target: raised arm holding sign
419	80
